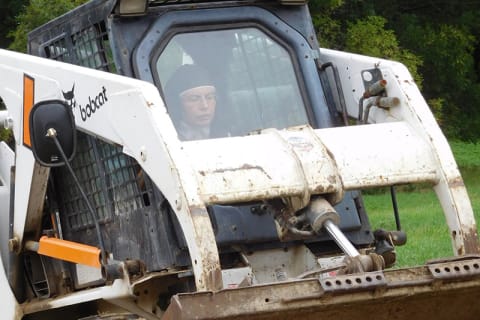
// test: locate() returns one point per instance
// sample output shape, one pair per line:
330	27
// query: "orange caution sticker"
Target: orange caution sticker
28	102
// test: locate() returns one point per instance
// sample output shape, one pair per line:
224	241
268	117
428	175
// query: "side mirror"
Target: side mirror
57	115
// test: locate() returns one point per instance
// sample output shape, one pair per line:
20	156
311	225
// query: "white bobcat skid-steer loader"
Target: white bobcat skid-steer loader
106	212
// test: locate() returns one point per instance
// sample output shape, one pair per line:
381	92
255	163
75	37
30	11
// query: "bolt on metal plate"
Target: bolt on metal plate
455	269
354	282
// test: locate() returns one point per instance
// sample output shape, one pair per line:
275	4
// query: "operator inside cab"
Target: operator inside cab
191	100
220	83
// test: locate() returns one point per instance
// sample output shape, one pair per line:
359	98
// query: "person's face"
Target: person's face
198	105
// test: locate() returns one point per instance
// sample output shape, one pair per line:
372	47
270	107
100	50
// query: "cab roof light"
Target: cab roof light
132	7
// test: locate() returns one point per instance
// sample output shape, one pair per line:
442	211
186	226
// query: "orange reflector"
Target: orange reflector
28	101
69	251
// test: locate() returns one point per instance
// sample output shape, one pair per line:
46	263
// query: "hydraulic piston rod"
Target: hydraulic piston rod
322	215
340	239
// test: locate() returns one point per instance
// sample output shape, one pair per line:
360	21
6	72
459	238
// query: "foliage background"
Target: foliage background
437	40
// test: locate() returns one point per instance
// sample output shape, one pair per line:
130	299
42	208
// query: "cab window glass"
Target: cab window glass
250	75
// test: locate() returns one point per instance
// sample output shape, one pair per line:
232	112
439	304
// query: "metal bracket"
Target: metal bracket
455	269
354	282
370	76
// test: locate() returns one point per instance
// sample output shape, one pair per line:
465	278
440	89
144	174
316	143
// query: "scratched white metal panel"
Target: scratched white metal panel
413	110
7	160
263	166
10	309
9	304
379	155
257	167
118	292
350	67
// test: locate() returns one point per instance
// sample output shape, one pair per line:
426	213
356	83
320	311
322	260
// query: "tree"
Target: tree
448	52
9	9
35	14
446	35
369	37
353	26
328	28
437	46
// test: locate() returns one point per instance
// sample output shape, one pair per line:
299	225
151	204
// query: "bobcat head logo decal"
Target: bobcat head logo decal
87	110
70	97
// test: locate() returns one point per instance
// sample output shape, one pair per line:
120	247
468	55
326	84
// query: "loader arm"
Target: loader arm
130	106
415	113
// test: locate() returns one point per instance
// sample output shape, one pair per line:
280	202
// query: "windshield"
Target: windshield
229	82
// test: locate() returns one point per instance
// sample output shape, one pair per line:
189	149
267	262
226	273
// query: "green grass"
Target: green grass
421	215
466	154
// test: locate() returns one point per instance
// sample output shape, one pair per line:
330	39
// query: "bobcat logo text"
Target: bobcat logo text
94	102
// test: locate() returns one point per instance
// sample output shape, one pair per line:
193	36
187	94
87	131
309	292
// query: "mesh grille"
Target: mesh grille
92	49
124	180
89	48
87	172
111	180
57	50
